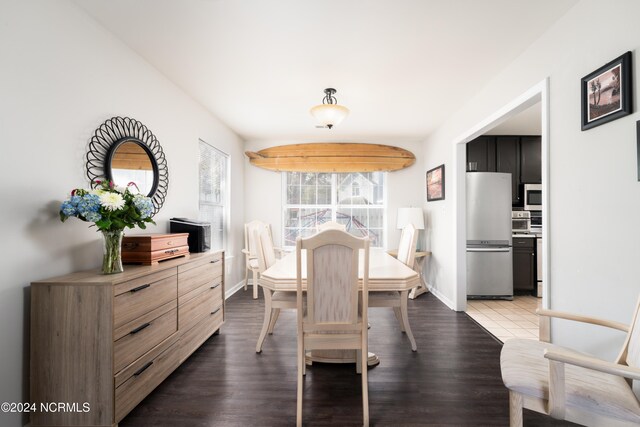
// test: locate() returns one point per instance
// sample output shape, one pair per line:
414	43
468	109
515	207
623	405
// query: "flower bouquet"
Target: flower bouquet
111	208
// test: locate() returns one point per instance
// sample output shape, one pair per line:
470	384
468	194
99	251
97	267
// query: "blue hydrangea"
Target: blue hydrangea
75	200
67	208
89	203
93	216
144	205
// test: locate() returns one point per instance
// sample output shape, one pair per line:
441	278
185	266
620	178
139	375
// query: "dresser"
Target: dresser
101	343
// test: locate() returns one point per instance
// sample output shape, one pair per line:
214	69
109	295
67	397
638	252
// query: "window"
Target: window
357	200
213	169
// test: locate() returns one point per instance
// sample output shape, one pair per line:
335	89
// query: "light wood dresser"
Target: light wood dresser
109	340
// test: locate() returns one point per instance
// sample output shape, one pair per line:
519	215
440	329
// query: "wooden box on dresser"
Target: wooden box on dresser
109	340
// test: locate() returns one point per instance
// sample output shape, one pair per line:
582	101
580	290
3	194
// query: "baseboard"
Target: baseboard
442	298
235	288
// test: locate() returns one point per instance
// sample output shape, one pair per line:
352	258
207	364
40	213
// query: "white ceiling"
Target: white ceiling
401	66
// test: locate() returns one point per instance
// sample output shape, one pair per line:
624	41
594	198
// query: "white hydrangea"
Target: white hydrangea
120	189
112	201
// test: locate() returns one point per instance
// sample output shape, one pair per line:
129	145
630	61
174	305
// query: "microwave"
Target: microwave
520	221
533	197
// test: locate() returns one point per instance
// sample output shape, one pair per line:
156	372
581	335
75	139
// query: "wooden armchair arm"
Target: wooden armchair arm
557	359
545	315
248	254
584	319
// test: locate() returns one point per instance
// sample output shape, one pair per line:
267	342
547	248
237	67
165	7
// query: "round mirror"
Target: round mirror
130	161
124	150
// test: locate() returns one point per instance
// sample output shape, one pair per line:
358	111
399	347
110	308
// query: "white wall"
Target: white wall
404	188
594	191
62	75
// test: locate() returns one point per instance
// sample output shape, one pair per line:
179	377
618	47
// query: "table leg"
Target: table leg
267	319
405	318
422	287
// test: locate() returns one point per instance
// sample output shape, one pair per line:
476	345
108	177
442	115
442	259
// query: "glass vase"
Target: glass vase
112	244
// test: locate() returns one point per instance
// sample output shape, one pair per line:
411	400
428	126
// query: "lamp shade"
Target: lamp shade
410	216
329	114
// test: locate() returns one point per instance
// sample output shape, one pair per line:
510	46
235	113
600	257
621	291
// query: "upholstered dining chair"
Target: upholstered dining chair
394	299
332	313
331	225
573	386
273	301
251	258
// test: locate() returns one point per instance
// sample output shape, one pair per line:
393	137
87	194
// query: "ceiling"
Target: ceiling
401	66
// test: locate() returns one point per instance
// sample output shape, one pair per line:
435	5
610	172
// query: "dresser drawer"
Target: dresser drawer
192	311
194	337
135	338
138	299
193	278
214	284
135	382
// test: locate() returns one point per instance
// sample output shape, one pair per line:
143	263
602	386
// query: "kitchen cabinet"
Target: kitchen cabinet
508	161
524	265
530	160
482	152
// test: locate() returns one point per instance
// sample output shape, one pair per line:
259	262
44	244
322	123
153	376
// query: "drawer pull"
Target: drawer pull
172	251
215	311
144	368
213	287
139	328
214	261
139	288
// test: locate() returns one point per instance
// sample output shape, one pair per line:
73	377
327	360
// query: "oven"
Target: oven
521	221
533	197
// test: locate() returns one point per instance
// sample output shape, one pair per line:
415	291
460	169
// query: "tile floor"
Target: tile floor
507	319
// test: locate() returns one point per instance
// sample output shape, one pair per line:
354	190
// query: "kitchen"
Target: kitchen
504	227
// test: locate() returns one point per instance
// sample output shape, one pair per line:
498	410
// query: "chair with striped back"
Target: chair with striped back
331	225
335	313
394	299
573	386
249	251
273	301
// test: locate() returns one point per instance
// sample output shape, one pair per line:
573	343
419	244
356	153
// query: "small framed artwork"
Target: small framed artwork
435	184
606	93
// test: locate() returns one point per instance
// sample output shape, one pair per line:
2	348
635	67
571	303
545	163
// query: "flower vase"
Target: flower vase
112	244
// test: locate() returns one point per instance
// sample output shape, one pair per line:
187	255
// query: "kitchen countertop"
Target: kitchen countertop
530	236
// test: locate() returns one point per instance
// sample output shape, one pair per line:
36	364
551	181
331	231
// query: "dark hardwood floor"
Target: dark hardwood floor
453	379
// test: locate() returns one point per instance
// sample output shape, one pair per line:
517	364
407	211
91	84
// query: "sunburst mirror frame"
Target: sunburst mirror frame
114	132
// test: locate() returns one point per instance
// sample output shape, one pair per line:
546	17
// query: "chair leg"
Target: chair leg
300	381
267	319
246	278
274	318
405	319
359	362
255	284
364	355
515	409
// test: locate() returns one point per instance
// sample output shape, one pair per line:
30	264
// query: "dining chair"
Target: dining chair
251	258
336	311
273	301
331	225
398	300
573	386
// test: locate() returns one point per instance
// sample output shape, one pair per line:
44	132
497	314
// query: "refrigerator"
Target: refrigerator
489	251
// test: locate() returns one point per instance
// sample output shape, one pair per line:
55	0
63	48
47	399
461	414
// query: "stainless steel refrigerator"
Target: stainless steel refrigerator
489	251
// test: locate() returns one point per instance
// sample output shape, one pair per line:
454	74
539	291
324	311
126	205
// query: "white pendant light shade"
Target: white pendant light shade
329	113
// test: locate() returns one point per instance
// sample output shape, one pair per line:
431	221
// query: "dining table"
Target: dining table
386	274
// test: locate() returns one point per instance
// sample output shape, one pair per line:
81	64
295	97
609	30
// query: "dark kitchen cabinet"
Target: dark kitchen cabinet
508	161
482	152
524	265
530	160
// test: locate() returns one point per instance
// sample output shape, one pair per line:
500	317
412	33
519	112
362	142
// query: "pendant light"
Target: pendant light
329	113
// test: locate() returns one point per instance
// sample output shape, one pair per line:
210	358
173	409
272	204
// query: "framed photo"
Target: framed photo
435	184
606	93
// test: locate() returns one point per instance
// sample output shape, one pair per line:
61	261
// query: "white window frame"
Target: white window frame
334	206
225	189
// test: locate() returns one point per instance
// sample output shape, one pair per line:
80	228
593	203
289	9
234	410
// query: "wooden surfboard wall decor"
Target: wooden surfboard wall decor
332	157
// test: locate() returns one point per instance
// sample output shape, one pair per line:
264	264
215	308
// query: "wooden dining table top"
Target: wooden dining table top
385	273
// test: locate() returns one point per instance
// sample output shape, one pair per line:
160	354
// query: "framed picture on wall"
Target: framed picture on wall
435	184
606	93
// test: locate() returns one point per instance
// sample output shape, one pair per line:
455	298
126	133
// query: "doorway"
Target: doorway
539	94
